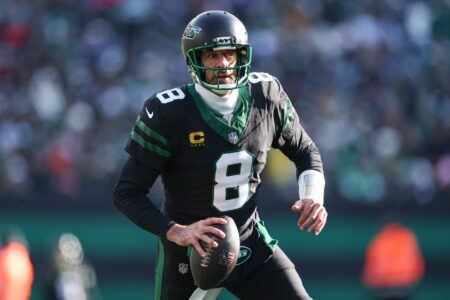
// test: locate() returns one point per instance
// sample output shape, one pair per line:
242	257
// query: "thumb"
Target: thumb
296	207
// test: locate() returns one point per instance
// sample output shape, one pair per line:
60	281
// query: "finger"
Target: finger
304	214
209	240
322	224
214	220
215	231
199	249
311	217
318	226
318	219
297	206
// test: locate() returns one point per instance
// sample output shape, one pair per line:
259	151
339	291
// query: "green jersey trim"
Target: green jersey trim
272	243
159	271
149	146
230	132
136	136
288	115
151	133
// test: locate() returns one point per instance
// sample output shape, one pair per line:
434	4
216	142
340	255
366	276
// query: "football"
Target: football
218	262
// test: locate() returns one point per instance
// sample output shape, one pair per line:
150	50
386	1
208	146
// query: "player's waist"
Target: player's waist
246	228
244	219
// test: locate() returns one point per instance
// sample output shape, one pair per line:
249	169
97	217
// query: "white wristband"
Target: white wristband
311	185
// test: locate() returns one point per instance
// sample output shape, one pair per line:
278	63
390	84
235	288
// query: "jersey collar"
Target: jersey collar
230	132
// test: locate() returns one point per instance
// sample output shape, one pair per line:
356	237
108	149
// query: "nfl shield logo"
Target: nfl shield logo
233	137
183	268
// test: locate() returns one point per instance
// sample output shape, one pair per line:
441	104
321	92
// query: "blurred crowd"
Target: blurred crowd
369	79
65	275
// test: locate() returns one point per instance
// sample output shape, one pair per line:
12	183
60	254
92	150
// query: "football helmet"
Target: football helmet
216	30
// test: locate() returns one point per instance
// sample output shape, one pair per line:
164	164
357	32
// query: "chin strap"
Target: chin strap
311	185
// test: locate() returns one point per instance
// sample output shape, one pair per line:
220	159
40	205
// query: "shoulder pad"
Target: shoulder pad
269	86
164	103
256	77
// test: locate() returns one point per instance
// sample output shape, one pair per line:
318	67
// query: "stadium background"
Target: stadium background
369	80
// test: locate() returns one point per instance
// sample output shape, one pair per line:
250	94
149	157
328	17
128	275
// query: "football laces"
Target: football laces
207	258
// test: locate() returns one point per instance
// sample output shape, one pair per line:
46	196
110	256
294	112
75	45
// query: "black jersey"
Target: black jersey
211	166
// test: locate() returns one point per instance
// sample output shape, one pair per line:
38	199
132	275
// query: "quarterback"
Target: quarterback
208	140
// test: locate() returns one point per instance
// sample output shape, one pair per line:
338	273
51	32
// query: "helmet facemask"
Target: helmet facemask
198	71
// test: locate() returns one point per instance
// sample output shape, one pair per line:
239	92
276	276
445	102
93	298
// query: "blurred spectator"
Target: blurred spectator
369	79
16	268
394	264
70	276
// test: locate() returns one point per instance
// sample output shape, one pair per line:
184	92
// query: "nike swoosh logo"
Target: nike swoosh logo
150	115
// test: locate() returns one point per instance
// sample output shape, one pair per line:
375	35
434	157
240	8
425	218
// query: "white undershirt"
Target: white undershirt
223	104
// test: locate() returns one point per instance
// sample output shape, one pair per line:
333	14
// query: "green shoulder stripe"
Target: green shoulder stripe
288	114
149	146
151	133
138	138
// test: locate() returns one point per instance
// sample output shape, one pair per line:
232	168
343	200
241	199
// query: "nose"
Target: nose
221	61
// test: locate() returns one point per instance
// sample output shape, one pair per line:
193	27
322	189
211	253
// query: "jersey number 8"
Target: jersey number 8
232	186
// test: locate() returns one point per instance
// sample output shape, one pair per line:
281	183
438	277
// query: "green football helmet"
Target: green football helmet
216	30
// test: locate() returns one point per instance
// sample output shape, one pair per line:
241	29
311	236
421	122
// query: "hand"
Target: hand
192	234
310	211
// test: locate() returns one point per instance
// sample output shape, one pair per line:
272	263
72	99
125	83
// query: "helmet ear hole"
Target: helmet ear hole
193	60
242	56
243	61
198	61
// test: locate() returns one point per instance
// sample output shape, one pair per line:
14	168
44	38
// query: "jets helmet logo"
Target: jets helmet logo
191	32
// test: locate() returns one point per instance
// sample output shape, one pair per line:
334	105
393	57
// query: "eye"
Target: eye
230	55
209	54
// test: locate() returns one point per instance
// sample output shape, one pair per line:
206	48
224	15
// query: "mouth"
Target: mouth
225	78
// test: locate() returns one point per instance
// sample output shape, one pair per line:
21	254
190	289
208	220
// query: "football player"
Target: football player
209	141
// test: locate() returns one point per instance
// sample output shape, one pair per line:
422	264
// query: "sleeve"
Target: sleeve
149	139
291	138
130	198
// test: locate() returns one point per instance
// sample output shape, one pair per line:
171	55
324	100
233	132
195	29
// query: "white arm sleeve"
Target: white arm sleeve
311	185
